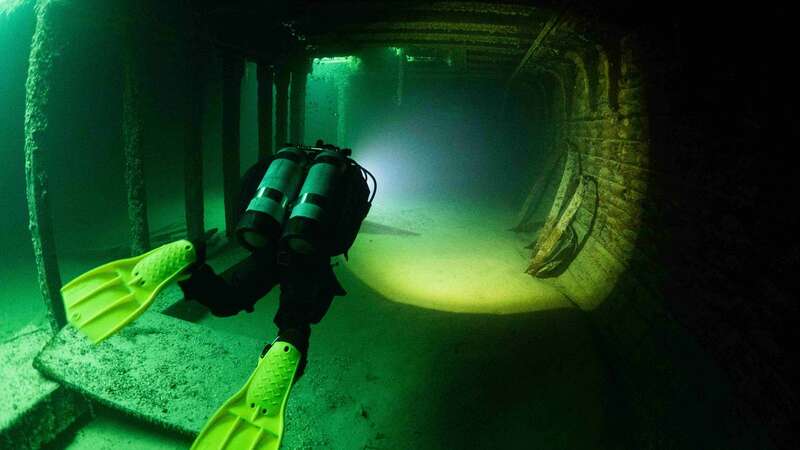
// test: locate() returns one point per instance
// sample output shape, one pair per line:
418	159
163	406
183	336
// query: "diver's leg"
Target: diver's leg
237	288
307	291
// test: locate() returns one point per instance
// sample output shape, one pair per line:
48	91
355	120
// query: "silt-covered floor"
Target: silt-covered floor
385	374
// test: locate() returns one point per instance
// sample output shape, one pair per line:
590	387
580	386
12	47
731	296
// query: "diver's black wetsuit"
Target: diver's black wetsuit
307	282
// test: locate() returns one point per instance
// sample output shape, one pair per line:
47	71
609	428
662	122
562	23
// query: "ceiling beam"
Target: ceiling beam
535	45
341	48
435	37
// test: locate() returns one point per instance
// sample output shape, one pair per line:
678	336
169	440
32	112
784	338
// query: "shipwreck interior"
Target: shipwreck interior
579	238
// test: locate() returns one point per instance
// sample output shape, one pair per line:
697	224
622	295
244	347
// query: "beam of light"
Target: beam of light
450	257
8	6
333	60
339	63
391	173
335	67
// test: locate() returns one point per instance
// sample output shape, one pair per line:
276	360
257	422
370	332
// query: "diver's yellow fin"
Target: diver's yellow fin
103	300
253	417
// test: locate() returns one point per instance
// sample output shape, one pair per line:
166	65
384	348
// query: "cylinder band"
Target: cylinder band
274	194
329	159
315	199
291	155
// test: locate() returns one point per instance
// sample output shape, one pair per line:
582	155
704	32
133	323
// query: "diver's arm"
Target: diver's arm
242	285
237	288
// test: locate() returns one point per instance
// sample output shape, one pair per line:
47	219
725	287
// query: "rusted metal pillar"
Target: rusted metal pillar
297	122
282	75
265	81
401	76
342	109
193	148
132	130
233	70
46	48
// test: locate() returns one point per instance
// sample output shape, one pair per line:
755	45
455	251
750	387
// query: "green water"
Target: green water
442	341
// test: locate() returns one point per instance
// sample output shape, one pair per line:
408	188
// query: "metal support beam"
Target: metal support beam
265	82
342	109
297	121
401	76
132	130
535	46
233	70
46	49
282	76
193	149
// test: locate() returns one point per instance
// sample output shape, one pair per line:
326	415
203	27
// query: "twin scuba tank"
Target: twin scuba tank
311	198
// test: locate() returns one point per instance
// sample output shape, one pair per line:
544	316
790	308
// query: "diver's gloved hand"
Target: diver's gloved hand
200	247
200	278
225	295
204	287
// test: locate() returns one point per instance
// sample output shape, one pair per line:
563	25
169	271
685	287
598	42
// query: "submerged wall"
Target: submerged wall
671	123
686	248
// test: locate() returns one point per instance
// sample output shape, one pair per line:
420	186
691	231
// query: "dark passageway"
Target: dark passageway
580	238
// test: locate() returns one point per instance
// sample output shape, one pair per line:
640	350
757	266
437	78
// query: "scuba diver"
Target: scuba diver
324	213
297	209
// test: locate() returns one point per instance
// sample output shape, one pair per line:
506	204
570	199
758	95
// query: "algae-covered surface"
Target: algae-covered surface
159	369
22	385
382	374
442	342
112	430
386	374
33	409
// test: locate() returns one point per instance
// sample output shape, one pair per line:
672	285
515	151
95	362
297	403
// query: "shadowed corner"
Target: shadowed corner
502	382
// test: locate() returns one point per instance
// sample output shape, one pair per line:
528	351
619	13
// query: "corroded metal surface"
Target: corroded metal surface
265	99
297	103
550	242
233	70
132	131
282	80
452	27
192	151
33	409
537	190
567	178
46	50
159	369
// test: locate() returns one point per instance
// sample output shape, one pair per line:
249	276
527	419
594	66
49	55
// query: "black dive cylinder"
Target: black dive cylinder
262	222
310	220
